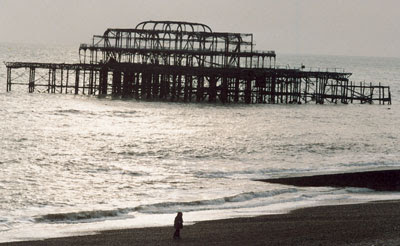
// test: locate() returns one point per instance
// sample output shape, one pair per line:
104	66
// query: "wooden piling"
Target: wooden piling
237	84
31	80
116	83
62	80
247	91
91	82
173	88
380	93
200	88
53	80
103	83
77	74
224	90
84	82
49	82
156	86
212	92
8	79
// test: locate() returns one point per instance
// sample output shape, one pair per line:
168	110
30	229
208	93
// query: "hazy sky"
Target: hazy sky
336	27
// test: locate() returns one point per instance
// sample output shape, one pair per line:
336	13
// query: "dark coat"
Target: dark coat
178	223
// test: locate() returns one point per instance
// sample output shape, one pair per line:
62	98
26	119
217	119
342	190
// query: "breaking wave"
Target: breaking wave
213	204
161	208
80	217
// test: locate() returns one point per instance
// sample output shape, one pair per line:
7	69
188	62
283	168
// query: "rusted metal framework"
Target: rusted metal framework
175	43
182	61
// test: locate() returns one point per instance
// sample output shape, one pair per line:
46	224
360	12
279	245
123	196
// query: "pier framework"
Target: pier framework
181	61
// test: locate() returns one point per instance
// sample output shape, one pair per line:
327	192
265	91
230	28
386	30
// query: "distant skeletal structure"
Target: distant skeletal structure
183	61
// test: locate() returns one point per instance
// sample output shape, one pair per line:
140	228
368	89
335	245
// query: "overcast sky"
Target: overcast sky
335	27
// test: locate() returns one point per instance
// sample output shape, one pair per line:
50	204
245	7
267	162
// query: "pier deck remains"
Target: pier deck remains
182	61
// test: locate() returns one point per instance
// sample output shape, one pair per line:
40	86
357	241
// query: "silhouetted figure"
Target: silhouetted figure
178	224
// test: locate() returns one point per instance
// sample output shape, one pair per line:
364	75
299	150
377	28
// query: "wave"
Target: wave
81	216
65	112
69	111
160	208
127	113
252	172
122	114
171	207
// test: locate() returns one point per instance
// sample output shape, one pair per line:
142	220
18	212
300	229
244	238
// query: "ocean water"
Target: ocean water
77	164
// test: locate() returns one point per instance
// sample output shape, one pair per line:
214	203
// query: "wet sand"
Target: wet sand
376	223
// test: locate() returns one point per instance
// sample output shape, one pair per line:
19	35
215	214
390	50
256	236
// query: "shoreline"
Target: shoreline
355	224
347	224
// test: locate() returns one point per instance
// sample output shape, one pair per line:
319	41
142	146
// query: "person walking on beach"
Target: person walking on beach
178	224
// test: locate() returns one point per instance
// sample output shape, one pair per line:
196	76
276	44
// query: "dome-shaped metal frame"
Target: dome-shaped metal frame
173	26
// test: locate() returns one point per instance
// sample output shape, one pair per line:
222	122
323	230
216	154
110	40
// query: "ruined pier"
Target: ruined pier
182	61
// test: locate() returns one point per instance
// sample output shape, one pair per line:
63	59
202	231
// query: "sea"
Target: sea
78	164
